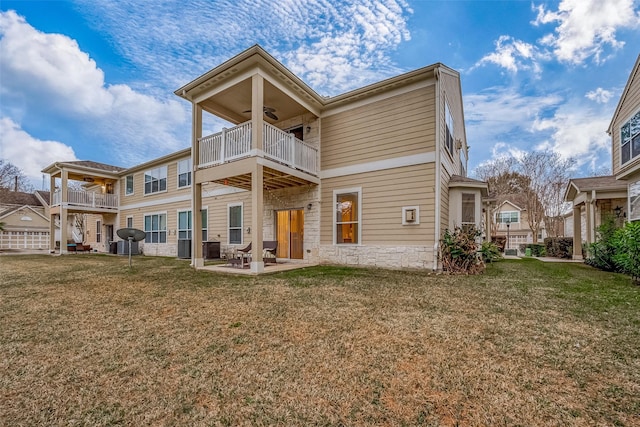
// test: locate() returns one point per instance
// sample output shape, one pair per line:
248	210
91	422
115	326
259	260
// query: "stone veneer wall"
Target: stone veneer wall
384	256
159	249
295	198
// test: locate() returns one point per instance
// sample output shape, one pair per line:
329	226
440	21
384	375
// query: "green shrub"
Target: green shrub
559	247
490	252
627	250
459	251
537	249
600	253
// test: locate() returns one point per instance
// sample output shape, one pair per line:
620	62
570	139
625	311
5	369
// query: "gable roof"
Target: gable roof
597	183
463	181
634	72
8	197
11	210
86	165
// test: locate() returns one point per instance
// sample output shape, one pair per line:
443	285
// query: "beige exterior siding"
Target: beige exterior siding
630	105
384	193
400	125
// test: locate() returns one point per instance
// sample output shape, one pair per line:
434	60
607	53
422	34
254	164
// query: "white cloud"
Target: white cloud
586	27
577	132
30	154
334	46
48	73
513	55
600	95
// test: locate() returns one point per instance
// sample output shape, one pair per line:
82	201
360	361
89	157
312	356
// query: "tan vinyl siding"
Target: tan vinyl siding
218	216
397	126
138	195
444	201
384	193
451	93
630	105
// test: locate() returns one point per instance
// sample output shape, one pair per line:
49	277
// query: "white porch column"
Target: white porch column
577	233
197	260
257	107
257	205
64	194
52	217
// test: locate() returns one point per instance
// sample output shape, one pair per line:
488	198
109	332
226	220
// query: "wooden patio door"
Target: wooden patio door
290	233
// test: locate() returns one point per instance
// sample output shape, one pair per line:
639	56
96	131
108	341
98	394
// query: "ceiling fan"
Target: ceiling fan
268	111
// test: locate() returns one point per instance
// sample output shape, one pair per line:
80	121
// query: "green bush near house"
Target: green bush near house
559	247
537	249
600	253
490	252
626	244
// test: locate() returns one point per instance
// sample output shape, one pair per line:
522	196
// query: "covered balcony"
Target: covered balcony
278	146
86	199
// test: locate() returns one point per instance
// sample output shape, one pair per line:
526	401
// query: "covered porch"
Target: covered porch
592	200
83	187
272	143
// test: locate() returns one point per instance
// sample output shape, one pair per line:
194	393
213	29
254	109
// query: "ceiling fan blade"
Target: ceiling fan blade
270	115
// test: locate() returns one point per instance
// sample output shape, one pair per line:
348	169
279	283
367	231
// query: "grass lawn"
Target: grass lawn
86	341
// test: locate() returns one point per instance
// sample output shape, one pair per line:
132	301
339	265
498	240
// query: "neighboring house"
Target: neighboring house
619	194
370	177
26	220
511	222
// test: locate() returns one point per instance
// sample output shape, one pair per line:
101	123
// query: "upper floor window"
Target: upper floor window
184	173
630	139
508	217
347	216
448	138
155	180
128	185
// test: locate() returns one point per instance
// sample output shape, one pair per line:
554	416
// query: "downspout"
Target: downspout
436	244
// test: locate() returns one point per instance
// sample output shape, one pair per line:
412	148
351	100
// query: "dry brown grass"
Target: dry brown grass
85	341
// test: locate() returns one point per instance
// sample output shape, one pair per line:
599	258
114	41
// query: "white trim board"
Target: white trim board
396	162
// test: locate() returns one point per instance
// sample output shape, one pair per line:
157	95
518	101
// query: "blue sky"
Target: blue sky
94	79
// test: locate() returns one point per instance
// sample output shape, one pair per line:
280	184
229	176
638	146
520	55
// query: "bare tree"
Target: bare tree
12	176
540	177
548	173
80	222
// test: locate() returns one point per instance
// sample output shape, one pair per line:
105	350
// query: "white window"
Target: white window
155	180
508	217
205	224
98	231
128	185
184	224
348	216
235	223
448	139
155	225
630	139
129	222
634	201
469	209
184	173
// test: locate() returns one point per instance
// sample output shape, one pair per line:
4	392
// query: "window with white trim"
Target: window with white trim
155	180
468	209
98	231
630	139
184	173
235	224
128	189
448	118
129	222
184	224
205	224
508	217
155	225
348	216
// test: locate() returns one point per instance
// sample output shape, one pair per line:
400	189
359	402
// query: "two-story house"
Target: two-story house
617	195
369	177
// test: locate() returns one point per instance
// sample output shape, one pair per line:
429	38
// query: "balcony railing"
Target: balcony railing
87	199
235	143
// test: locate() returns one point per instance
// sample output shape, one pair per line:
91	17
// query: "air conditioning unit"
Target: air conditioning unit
123	247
